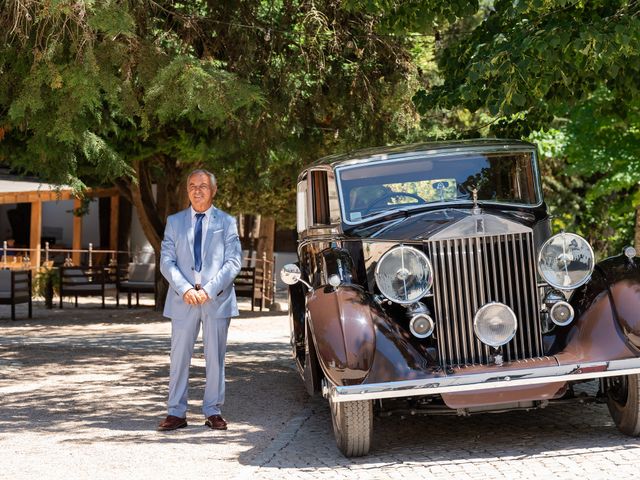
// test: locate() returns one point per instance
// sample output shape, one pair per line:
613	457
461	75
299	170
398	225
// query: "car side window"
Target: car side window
325	206
319	198
301	205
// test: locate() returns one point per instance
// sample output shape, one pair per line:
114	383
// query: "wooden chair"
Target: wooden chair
85	282
140	278
15	287
246	285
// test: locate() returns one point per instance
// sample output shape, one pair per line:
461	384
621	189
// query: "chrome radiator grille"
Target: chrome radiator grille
470	272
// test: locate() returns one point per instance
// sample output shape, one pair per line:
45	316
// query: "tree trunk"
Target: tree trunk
265	250
145	203
154	209
267	237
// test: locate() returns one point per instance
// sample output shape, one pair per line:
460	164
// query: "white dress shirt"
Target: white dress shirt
205	225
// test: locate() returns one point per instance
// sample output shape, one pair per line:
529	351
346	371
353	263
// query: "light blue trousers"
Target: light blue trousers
184	333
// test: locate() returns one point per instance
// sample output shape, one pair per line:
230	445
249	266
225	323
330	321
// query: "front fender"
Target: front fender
343	333
607	308
357	342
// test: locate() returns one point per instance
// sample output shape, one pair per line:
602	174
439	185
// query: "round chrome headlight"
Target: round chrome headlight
495	324
566	261
404	275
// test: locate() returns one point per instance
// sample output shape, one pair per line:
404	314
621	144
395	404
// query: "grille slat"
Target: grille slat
476	347
482	283
510	287
520	294
533	295
455	306
448	308
470	272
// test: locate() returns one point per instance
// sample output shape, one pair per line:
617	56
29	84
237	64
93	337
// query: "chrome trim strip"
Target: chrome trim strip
483	381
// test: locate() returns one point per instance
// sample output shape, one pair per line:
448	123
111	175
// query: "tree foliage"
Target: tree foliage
566	74
592	171
141	92
543	56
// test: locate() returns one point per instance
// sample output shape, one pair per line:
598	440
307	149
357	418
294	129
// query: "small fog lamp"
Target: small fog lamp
561	313
421	325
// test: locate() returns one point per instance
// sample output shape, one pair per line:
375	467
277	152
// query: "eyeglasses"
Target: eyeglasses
203	187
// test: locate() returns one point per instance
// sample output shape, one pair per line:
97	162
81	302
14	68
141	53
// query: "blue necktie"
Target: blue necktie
197	242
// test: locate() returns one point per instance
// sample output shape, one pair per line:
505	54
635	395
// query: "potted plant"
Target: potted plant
46	283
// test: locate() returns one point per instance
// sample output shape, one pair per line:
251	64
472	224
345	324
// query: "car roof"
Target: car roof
374	154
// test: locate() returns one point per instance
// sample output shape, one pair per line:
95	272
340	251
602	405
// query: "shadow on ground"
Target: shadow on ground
102	377
92	376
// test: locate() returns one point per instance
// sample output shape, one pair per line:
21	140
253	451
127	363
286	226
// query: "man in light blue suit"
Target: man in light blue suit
200	257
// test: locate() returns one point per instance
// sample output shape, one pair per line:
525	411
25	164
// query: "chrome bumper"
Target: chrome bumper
481	381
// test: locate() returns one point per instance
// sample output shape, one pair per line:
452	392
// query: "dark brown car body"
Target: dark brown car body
353	345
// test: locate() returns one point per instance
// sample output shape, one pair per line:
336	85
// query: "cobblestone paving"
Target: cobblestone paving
82	391
567	441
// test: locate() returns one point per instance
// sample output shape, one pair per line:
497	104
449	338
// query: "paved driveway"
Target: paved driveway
82	391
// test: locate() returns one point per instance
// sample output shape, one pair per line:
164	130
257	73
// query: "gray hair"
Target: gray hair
212	177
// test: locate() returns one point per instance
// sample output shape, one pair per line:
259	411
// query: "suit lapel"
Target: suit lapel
189	229
214	224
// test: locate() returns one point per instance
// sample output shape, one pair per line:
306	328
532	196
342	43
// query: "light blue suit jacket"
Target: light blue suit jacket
221	262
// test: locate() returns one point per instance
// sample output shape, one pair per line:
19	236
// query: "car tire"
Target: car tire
623	400
352	426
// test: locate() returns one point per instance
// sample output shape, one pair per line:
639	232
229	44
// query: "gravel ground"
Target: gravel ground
83	390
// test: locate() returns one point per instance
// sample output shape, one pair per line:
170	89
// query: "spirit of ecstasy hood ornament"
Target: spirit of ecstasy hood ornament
474	196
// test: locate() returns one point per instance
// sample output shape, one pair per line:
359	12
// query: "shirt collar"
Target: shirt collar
207	212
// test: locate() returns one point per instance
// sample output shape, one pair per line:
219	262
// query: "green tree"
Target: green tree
140	92
563	72
594	171
99	92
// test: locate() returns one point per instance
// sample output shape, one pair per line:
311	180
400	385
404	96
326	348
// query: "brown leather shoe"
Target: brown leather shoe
172	423
216	422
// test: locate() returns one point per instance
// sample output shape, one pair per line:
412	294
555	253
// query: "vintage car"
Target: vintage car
429	281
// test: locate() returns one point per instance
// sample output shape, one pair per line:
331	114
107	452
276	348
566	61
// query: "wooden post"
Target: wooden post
36	232
77	232
263	289
265	251
113	222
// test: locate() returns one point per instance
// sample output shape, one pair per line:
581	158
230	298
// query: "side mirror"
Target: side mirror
291	274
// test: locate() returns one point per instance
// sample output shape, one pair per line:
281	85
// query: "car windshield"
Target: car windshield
375	188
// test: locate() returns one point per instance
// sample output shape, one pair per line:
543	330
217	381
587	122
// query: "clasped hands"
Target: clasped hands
195	297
